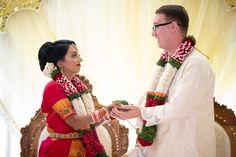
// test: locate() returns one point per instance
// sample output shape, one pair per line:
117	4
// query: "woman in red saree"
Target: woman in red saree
68	105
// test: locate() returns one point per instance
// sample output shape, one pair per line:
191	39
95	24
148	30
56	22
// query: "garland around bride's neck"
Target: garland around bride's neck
75	90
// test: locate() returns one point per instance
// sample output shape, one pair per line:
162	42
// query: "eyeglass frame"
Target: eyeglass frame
156	26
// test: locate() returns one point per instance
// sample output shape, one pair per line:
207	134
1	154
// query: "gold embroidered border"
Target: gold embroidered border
63	108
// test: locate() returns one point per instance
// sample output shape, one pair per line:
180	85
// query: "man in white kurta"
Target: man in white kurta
185	123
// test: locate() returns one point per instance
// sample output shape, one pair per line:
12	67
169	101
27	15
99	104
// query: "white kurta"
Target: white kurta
186	122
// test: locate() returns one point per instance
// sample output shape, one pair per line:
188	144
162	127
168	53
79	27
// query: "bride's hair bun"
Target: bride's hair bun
53	52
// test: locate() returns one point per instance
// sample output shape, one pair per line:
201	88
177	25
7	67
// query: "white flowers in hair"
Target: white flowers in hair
48	69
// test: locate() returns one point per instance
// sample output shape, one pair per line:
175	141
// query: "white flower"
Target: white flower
88	101
166	78
79	106
156	77
48	69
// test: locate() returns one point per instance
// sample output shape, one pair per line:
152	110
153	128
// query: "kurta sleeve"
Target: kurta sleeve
55	100
194	81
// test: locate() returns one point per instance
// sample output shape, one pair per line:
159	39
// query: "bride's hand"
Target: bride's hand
111	106
126	112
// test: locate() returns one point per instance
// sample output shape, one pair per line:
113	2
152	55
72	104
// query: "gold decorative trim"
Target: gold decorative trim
8	7
231	4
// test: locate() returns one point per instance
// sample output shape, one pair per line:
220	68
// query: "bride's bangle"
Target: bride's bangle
100	115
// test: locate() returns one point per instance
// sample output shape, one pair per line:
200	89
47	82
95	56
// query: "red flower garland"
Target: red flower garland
75	88
92	144
147	134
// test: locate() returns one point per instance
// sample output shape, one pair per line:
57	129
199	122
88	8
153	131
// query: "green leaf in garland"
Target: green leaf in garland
87	91
175	63
148	133
54	72
74	96
88	129
161	63
161	99
103	154
123	102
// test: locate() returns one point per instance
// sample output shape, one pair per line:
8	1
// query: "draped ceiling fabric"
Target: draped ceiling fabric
115	42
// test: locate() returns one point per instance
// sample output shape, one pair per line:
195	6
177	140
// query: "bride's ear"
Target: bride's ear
59	64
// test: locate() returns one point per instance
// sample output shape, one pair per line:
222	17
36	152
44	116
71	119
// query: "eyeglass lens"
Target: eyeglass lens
156	26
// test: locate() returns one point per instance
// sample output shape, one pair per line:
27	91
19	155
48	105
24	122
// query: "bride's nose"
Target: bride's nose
80	59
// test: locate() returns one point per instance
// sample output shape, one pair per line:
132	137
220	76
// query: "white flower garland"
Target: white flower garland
158	94
164	75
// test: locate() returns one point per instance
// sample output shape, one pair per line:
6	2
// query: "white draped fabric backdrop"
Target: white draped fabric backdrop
119	53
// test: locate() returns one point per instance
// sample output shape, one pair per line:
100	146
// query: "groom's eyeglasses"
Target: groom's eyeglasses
156	26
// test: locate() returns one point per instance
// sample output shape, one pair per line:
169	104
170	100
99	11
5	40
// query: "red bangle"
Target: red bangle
99	115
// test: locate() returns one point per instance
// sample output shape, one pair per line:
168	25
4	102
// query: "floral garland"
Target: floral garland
76	91
165	73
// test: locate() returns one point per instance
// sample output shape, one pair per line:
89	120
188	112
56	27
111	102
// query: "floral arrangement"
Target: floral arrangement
75	90
165	74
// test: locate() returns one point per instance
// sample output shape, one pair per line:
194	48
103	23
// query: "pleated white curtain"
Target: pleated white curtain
119	53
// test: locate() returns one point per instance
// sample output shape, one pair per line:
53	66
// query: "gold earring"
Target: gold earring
61	69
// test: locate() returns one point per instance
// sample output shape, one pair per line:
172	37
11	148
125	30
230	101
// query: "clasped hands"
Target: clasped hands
115	111
123	112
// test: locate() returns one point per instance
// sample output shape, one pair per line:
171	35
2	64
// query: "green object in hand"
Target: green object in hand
123	102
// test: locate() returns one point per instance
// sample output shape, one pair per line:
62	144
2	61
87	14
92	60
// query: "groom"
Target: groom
177	119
